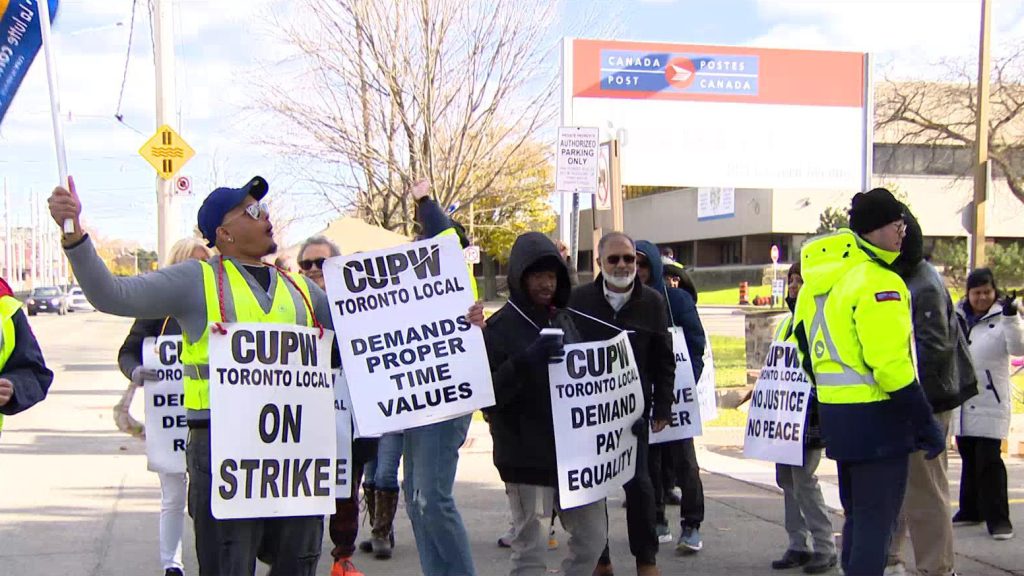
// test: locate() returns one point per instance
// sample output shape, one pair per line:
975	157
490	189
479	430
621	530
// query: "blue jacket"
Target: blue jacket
682	311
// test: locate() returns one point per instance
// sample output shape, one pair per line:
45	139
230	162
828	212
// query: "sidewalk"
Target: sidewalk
76	498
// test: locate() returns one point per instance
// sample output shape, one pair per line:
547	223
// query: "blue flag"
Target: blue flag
20	40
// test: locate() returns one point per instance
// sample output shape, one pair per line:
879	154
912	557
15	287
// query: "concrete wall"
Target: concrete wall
672	216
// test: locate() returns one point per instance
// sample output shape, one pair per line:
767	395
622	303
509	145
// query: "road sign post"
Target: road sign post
775	273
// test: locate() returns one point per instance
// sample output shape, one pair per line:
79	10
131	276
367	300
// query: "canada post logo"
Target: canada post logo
685	73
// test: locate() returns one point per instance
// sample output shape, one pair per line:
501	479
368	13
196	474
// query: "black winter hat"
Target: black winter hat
873	209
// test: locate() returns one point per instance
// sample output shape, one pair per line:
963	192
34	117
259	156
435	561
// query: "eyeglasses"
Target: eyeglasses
306	265
613	259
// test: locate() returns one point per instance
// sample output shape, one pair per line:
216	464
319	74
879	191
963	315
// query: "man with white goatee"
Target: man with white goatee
616	302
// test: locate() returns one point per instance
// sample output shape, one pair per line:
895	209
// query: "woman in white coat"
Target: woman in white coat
995	333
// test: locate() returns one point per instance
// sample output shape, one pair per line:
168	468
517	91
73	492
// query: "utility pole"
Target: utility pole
982	168
166	205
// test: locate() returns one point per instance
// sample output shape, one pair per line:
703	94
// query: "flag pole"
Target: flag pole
43	6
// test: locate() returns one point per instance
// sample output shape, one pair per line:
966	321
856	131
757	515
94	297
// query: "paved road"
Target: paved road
76	499
719	321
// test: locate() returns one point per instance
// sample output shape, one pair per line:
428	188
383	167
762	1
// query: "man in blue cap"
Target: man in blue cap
235	286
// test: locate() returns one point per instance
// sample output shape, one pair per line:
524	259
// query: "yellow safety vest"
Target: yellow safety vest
472	278
783	333
853	319
8	307
288	307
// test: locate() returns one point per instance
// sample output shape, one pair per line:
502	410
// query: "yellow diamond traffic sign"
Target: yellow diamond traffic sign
167	152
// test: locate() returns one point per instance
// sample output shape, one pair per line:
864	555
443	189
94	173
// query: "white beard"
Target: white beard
620	282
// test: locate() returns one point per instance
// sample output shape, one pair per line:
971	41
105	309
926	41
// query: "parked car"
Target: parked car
47	299
77	301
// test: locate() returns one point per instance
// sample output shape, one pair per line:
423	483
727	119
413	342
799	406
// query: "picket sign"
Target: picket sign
166	426
595	399
685	421
344	431
706	387
778	408
273	433
411	357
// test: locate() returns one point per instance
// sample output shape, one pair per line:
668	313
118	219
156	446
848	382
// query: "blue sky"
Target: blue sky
222	45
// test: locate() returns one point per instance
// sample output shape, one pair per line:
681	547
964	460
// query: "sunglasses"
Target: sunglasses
613	259
255	210
306	265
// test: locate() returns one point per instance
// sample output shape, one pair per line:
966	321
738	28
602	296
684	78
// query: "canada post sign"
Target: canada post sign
681	73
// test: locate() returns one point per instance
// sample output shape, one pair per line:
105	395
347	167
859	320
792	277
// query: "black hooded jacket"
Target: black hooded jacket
521	421
943	362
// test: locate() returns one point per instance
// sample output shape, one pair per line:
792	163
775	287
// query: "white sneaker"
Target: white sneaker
895	570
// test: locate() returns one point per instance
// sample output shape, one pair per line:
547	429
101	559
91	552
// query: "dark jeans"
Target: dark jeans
678	460
229	547
640	509
343	525
983	494
872	494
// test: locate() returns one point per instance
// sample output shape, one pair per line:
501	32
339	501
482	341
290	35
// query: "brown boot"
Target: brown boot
369	494
647	570
384	524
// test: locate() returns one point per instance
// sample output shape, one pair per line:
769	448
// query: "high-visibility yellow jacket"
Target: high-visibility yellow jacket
240	305
855	336
856	316
784	332
8	307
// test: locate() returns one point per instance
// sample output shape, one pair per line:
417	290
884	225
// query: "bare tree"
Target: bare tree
942	116
385	92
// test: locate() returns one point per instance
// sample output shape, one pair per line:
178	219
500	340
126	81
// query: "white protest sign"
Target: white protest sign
595	399
706	387
778	406
272	422
343	427
166	427
685	420
578	160
411	357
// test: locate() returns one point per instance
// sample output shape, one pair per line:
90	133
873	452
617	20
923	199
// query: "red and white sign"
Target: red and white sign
183	186
775	254
723	116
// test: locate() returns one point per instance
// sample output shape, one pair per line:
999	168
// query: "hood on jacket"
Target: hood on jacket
653	255
824	260
529	249
912	251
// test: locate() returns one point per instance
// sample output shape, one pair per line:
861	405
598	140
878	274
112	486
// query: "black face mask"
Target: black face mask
791	303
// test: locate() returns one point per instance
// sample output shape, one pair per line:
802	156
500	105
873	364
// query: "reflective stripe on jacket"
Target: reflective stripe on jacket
853	317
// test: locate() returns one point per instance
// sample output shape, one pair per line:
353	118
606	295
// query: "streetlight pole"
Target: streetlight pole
163	42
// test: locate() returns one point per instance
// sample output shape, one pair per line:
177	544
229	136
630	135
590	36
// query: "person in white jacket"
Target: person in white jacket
995	333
